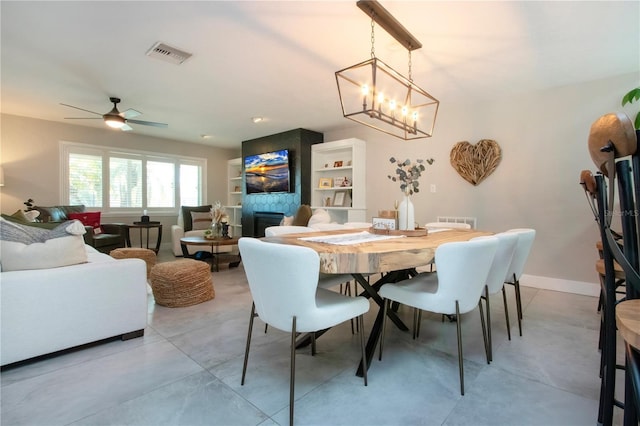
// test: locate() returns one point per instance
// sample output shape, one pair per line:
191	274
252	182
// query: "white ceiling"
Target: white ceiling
277	59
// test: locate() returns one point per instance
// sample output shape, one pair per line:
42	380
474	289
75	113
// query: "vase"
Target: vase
216	230
406	219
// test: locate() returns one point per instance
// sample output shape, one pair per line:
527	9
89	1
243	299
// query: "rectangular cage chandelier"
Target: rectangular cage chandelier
374	94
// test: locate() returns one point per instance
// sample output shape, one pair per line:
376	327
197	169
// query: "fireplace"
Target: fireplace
262	220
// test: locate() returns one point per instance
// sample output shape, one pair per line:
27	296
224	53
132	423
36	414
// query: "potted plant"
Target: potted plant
632	96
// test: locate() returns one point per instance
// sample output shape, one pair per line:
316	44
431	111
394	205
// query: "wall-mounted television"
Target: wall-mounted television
268	172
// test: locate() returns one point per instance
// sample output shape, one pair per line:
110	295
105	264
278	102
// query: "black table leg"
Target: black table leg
371	290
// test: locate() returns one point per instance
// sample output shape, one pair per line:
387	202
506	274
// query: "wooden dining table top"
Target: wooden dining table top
377	256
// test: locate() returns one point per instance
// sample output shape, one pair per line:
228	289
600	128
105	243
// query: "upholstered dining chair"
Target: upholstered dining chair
455	289
325	280
520	256
495	279
283	280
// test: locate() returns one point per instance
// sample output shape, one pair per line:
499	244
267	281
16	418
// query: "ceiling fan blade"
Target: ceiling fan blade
148	123
126	128
81	109
82	118
130	113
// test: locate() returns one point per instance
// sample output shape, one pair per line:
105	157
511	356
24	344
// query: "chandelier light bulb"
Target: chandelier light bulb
405	110
365	89
392	105
380	98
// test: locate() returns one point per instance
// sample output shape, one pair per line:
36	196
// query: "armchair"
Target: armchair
113	236
187	227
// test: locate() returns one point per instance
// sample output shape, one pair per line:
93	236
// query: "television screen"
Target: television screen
268	172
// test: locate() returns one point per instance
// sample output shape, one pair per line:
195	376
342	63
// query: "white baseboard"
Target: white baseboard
557	284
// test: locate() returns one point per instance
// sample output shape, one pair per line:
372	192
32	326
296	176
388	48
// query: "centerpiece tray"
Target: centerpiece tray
418	232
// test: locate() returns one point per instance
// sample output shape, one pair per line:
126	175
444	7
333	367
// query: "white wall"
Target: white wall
543	137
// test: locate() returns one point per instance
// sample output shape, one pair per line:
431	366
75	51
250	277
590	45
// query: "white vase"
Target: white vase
406	219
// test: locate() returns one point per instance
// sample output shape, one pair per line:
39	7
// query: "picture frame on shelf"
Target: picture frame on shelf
325	183
337	163
340	199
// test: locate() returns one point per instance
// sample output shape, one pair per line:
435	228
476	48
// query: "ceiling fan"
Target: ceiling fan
115	118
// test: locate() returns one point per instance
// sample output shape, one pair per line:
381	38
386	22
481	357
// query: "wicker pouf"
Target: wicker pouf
149	256
182	282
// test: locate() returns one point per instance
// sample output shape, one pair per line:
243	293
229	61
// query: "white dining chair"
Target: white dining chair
454	289
283	280
325	280
520	256
342	281
495	279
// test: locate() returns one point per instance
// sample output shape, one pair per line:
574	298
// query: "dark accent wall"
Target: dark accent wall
298	142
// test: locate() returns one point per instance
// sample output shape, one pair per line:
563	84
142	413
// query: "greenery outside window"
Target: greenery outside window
116	180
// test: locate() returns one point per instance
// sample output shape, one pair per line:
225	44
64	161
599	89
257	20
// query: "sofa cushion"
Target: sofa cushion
28	247
42	225
58	213
302	216
186	214
200	220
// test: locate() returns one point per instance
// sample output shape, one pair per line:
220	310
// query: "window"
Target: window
117	180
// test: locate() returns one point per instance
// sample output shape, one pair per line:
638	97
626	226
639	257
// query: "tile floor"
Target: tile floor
186	371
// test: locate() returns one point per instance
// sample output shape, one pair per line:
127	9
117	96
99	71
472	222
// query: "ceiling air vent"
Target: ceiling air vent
167	53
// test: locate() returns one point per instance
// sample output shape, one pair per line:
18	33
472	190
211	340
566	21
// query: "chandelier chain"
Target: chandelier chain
410	78
373	37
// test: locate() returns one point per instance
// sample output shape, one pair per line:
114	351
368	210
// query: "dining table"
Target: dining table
366	253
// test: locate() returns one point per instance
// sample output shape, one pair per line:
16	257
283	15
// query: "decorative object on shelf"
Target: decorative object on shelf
475	162
337	164
340	199
374	94
327	202
325	183
408	174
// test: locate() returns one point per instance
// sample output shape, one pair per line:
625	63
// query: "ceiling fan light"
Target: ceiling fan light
114	121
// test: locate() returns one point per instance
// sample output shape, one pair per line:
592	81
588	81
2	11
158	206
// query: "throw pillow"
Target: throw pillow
91	219
319	216
28	247
302	216
286	221
20	216
32	215
200	220
48	225
186	214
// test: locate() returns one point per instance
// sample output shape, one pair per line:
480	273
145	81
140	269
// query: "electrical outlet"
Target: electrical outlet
433	187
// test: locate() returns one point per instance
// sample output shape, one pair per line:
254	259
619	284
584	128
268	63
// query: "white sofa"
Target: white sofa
48	310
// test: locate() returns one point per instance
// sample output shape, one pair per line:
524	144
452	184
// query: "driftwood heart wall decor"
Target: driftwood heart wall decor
475	162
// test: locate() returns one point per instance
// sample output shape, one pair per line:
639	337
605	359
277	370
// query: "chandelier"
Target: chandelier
374	94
